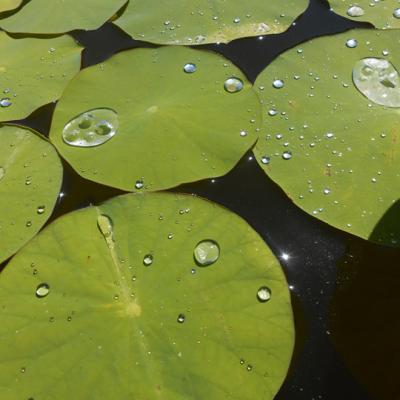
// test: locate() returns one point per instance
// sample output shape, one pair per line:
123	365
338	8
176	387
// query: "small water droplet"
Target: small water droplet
42	290
329	135
23	369
242	361
351	43
327	191
181	318
148	260
233	85
355	11
206	252
189	68
91	128
378	80
236	20
396	13
5	102
41	209
263	294
265	159
28	224
249	367
287	155
278	84
272	112
243	133
139	184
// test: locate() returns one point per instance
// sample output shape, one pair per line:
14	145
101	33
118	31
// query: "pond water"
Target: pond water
344	290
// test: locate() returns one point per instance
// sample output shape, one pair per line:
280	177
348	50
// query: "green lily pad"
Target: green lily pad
148	125
30	180
60	16
382	14
189	22
7	5
330	144
34	72
111	304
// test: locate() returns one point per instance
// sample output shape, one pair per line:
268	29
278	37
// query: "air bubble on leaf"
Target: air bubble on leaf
378	80
91	128
263	294
42	290
206	252
233	85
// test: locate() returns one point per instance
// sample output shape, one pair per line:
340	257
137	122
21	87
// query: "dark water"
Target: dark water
344	290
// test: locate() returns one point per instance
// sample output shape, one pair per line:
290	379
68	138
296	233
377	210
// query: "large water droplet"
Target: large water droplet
278	84
396	13
105	225
206	252
233	85
189	68
263	294
378	80
355	11
91	128
42	290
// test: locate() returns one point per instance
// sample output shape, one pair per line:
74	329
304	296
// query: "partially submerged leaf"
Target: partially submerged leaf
6	5
333	145
60	16
192	22
119	308
152	119
34	72
30	180
382	14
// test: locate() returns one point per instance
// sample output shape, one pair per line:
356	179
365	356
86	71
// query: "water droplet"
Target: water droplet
42	290
23	369
278	84
243	133
148	260
5	102
263	294
272	112
378	80
249	367
396	13
329	135
351	43
355	11
189	68
28	180
105	225
139	184
28	224
2	173
233	85
181	318
236	20
265	159
206	252
327	191
242	361
287	155
91	128
41	209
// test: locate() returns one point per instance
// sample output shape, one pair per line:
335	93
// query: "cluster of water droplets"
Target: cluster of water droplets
91	128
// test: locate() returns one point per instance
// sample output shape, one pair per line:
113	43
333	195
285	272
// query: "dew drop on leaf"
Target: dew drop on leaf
148	260
206	252
233	85
189	68
263	294
42	290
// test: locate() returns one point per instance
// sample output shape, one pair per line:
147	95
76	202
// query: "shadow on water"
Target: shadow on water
365	316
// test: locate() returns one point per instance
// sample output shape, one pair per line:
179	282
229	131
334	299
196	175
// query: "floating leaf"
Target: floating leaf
30	179
382	14
199	22
140	121
34	72
59	16
7	5
329	142
119	308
